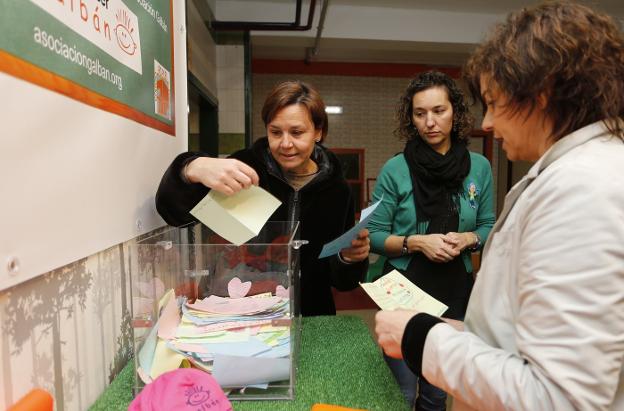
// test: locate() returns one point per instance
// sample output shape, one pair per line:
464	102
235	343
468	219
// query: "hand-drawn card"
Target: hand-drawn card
393	291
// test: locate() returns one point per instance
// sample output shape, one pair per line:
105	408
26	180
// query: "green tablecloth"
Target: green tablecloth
339	364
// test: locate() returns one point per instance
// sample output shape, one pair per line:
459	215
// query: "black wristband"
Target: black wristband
413	342
404	249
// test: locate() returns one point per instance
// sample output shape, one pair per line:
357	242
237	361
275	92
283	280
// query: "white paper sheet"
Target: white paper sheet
232	371
394	291
238	217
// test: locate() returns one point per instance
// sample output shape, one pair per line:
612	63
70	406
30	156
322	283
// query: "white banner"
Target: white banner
108	24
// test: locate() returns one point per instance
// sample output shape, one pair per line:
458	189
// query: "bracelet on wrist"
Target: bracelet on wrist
342	259
477	245
404	249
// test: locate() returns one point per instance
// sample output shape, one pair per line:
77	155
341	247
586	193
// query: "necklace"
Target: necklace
303	175
314	166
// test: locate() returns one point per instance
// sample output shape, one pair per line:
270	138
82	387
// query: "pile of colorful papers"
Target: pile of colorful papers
242	341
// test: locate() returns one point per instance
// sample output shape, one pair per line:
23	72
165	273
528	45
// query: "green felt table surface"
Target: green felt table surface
339	364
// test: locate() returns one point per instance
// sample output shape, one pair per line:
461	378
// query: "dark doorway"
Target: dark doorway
203	124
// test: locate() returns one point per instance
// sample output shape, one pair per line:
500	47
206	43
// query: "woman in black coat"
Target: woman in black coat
291	164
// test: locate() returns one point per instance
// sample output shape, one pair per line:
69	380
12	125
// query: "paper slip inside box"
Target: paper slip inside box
393	291
238	217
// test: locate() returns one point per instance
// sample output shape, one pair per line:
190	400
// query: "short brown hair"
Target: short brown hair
569	52
462	119
296	92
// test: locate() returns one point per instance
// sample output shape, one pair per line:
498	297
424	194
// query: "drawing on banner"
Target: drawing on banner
124	33
113	27
162	94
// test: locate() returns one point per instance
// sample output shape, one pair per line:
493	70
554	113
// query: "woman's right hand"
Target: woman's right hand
438	248
226	175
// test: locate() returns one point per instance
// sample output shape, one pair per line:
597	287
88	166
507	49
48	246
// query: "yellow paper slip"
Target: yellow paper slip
393	291
165	360
238	217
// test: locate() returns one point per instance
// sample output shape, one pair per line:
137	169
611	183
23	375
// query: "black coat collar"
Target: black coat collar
327	162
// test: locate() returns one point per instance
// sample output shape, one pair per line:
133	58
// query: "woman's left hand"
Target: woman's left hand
460	241
360	247
389	327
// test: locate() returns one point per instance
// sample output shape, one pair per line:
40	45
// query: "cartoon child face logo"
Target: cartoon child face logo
197	396
123	32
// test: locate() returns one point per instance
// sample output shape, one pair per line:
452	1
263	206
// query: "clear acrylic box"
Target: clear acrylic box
191	266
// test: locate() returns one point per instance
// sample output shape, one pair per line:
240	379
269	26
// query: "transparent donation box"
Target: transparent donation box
232	311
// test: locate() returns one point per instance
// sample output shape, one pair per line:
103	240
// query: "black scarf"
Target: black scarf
436	178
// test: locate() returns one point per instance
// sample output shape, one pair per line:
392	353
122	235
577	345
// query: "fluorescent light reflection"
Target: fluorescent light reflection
333	109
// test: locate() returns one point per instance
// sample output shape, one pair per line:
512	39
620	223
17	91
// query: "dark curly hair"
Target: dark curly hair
565	51
462	119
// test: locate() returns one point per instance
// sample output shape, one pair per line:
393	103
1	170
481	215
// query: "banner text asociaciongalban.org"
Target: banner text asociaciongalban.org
61	48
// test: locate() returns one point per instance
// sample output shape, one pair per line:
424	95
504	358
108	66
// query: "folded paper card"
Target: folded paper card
394	291
344	241
238	217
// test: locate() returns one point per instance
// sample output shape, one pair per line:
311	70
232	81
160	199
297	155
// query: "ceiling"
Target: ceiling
615	7
448	42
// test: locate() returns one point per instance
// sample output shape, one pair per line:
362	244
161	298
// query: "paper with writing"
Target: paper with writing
394	291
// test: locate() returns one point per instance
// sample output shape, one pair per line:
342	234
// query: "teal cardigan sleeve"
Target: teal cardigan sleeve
396	213
380	224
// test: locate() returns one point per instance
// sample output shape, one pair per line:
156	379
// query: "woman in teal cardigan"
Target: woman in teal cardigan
436	206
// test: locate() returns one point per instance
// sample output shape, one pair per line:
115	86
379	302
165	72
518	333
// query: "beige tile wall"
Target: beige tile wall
231	88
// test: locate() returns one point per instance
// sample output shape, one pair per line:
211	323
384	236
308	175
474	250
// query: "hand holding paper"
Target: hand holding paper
225	175
344	241
389	328
359	248
393	291
238	217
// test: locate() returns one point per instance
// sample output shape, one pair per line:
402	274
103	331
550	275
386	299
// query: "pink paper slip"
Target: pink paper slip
245	305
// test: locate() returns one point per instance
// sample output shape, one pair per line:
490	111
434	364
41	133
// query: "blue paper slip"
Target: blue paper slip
344	241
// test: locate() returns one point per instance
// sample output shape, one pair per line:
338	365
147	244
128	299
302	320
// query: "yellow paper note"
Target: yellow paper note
165	299
238	217
393	291
165	359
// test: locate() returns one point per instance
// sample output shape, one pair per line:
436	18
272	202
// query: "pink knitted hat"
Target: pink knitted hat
182	389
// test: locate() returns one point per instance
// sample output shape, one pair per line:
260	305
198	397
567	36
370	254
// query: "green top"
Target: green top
397	214
339	364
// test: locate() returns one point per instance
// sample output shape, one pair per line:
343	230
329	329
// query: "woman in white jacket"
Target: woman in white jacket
544	328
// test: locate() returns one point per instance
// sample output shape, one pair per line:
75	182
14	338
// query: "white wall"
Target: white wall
75	184
77	179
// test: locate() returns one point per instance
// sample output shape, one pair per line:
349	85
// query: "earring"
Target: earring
318	140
